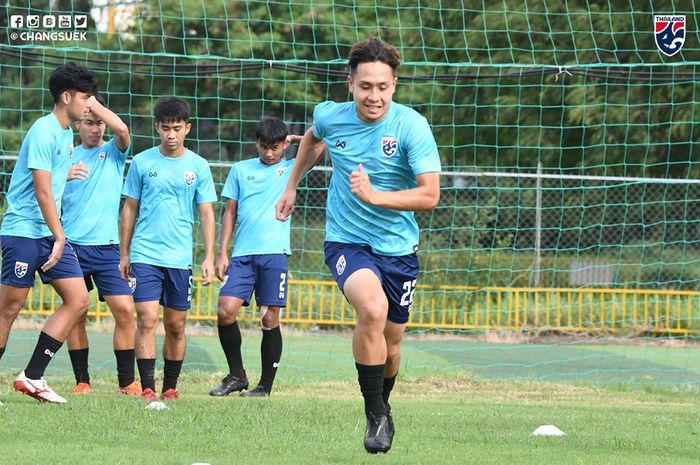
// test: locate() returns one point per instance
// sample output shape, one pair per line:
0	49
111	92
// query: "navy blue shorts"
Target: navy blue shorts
100	264
172	287
23	257
398	275
266	274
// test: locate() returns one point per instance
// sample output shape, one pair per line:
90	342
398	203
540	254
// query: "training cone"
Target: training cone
548	430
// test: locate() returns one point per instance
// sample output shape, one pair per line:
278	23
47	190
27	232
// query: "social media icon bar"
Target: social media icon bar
80	21
32	21
49	21
64	21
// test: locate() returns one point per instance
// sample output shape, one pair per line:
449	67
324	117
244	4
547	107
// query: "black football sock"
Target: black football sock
388	386
46	348
147	372
371	379
230	339
125	366
79	360
171	372
2	351
270	354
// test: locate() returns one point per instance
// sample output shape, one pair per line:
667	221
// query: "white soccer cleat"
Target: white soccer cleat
38	389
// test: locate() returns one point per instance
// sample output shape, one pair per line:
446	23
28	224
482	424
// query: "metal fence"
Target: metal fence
320	303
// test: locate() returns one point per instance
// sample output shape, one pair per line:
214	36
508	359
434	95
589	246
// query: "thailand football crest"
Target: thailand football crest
340	265
189	177
21	269
280	171
669	33
389	146
101	156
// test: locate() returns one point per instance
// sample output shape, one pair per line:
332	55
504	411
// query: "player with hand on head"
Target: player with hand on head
31	235
164	186
90	216
260	256
385	166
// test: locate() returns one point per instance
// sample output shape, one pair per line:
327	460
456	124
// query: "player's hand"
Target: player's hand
56	254
293	139
360	185
78	171
221	266
125	267
285	205
207	272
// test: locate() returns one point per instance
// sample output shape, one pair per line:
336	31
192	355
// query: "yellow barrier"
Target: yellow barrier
462	307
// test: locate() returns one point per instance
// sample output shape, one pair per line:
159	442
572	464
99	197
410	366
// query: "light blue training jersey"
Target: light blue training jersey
46	147
91	206
393	152
168	190
257	187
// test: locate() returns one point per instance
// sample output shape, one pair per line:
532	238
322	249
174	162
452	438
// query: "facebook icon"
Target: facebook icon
16	21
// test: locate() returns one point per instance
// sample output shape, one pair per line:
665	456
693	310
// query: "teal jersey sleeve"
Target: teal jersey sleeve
231	190
206	192
132	184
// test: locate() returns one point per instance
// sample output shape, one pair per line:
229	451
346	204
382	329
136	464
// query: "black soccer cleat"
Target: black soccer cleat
377	436
390	423
257	392
229	384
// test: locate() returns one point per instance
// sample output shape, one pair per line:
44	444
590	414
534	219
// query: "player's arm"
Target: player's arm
206	215
425	196
310	152
127	221
47	204
228	224
113	122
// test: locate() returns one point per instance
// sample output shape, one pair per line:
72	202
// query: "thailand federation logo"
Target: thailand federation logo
280	171
189	177
340	265
101	156
669	33
223	283
132	284
389	145
21	269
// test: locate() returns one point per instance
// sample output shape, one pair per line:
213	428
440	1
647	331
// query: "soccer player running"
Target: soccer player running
31	235
385	166
90	215
260	256
162	188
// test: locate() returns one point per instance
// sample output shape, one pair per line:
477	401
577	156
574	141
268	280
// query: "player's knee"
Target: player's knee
11	307
175	329
372	315
393	353
225	316
146	322
81	303
270	318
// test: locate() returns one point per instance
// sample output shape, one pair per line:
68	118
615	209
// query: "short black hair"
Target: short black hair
72	77
371	50
271	130
171	110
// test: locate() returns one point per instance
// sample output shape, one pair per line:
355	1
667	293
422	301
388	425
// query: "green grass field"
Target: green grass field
457	401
